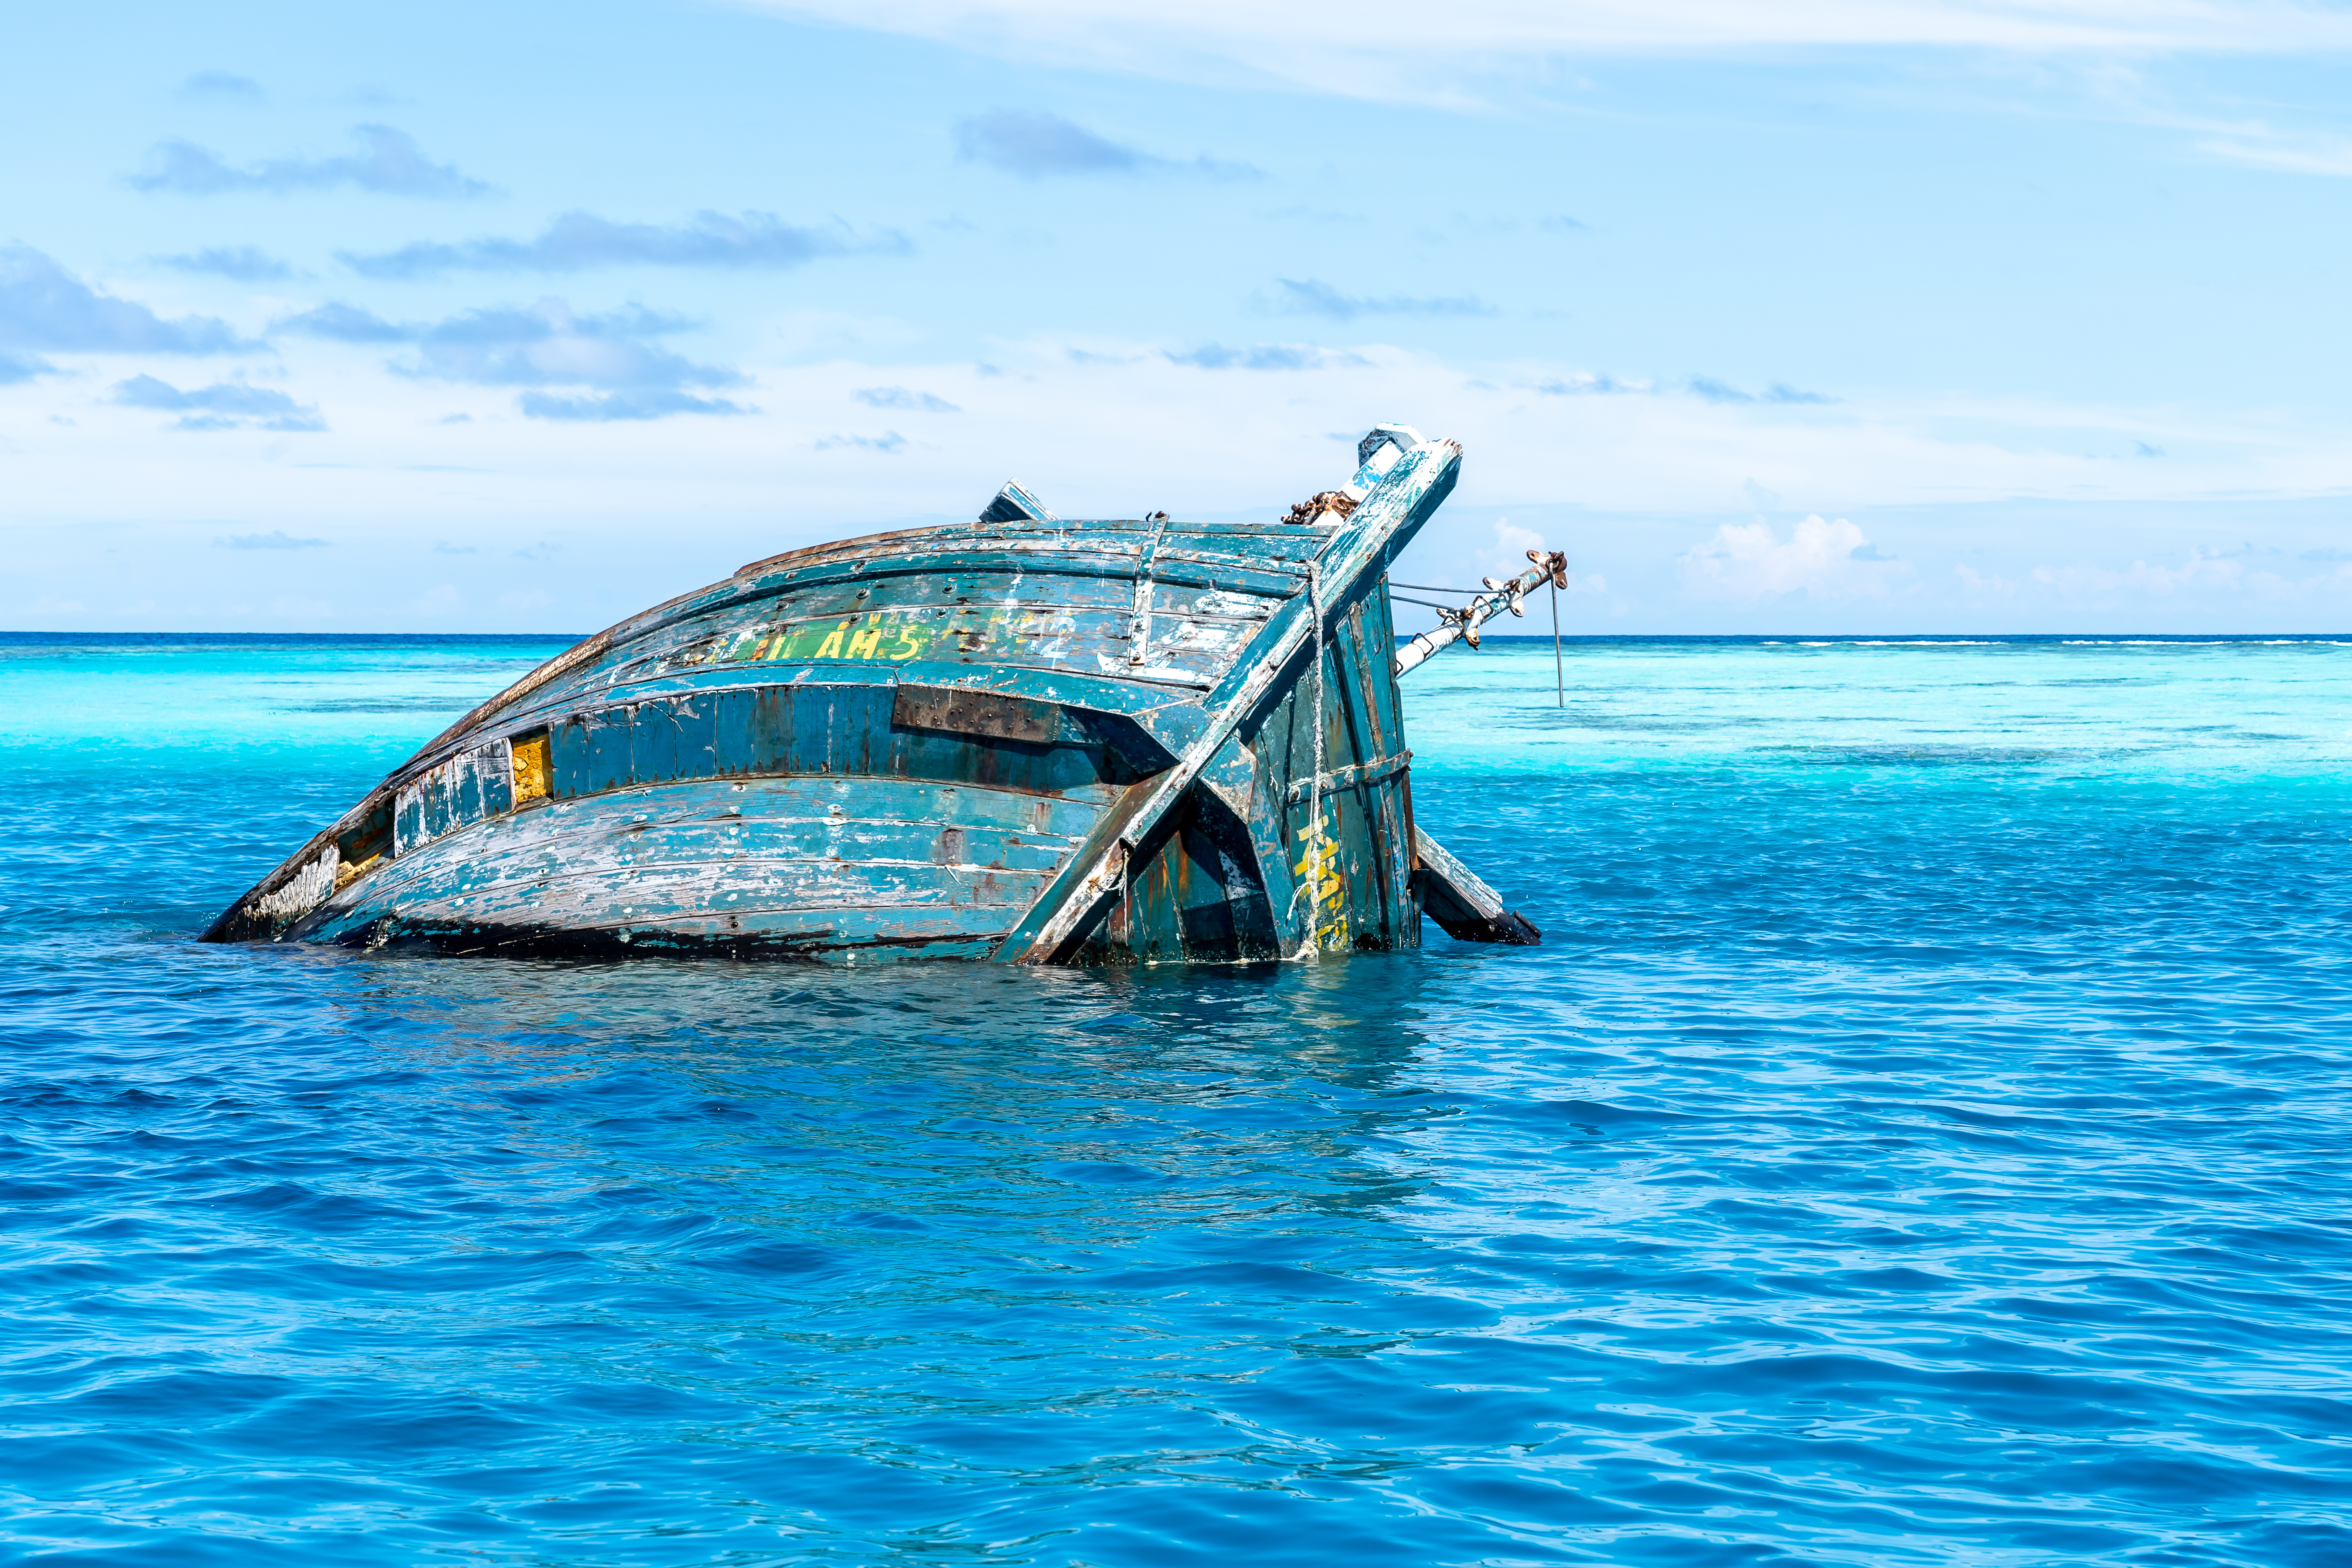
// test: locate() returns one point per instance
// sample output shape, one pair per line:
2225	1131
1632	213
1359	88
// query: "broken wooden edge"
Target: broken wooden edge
1461	904
1015	503
1403	485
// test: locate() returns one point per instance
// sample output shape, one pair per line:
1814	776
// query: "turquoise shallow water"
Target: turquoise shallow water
1923	1138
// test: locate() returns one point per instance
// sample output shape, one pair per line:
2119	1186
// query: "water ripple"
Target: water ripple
1884	1162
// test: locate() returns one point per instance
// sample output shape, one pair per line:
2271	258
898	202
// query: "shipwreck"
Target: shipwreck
1028	739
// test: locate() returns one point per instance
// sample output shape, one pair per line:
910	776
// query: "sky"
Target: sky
1833	316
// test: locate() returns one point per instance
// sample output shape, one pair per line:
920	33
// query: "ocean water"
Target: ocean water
1925	1136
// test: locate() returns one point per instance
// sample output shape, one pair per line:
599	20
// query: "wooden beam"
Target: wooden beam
1400	497
1452	896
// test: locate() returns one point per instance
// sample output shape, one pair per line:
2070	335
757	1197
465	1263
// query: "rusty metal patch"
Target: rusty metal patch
960	710
1313	507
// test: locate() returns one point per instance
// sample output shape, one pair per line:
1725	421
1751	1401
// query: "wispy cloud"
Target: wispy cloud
244	263
547	344
1421	53
2289	151
276	538
1031	143
223	85
346	324
2199	571
388	163
1586	384
889	441
1263	356
1820	559
2248	141
612	405
578	240
902	398
42	306
224	405
1034	145
1714	391
15	368
1310	296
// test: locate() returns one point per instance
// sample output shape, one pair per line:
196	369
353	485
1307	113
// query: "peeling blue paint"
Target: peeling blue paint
1181	741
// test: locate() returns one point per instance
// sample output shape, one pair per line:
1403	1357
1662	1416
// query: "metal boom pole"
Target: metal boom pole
1462	624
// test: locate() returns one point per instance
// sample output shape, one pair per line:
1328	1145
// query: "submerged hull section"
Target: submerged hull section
1025	738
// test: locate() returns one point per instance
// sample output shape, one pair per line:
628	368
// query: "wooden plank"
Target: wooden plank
821	728
774	742
608	764
567	752
653	741
1355	776
821	846
1172	715
1013	503
1201	895
695	715
1240	775
1468	910
1393	511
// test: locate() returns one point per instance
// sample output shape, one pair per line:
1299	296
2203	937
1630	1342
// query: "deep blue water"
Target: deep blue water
1923	1138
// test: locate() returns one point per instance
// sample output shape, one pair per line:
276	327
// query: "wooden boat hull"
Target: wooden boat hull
1026	739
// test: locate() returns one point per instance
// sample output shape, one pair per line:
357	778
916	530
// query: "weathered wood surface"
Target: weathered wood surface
1452	896
1028	738
1399	495
765	868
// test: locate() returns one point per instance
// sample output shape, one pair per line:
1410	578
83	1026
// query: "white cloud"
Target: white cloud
807	332
1125	430
1820	559
1403	48
1982	584
2198	572
2133	97
2293	152
1120	426
1509	556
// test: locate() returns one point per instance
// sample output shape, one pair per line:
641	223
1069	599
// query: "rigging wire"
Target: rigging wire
1311	940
